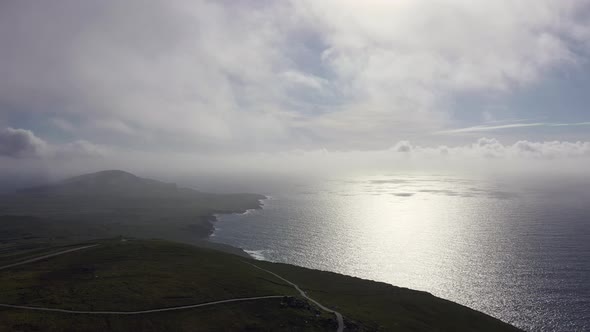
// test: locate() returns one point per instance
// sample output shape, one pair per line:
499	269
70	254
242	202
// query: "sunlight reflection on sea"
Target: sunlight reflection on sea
514	249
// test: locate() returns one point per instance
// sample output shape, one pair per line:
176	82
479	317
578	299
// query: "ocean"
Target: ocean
517	248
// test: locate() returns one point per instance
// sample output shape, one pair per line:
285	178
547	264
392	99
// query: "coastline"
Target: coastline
258	255
214	218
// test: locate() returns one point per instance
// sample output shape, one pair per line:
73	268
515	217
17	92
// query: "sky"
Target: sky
222	85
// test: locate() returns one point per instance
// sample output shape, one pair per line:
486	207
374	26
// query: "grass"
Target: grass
264	315
148	274
142	275
382	307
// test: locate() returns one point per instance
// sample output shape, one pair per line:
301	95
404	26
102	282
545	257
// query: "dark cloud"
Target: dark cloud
403	194
20	143
403	146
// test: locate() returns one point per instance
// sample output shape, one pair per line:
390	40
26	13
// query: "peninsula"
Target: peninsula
111	251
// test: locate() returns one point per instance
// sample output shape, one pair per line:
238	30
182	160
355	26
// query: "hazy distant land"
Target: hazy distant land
115	203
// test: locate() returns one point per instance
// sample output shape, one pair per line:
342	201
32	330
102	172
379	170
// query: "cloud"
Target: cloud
490	148
483	128
220	76
552	150
80	149
20	143
484	154
402	146
307	80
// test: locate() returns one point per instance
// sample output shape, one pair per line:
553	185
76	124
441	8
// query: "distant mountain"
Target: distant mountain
112	182
121	184
115	202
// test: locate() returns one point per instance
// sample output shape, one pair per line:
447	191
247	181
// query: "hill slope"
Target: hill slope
139	275
113	203
105	182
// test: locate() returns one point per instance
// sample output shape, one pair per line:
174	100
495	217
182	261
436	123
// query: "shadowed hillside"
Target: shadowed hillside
113	203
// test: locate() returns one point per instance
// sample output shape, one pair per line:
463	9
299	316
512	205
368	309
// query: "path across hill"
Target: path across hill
338	315
31	260
139	312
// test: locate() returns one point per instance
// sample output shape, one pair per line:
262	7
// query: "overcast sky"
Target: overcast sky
105	79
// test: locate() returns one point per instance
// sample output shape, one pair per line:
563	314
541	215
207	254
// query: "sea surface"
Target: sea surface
517	248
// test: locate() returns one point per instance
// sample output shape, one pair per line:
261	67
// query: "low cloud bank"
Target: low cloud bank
21	151
22	143
487	148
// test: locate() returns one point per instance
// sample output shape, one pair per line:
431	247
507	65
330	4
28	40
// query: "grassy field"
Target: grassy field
147	274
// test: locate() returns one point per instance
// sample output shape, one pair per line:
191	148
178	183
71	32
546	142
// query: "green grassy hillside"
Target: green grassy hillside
141	274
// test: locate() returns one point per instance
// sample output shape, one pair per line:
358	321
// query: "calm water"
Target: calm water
518	250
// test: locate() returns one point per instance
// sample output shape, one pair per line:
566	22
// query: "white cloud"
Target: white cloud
404	58
307	80
483	154
488	147
491	148
483	128
552	150
213	75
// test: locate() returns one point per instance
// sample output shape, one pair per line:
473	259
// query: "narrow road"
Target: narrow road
338	315
30	260
139	312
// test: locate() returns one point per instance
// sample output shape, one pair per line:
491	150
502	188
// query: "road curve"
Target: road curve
30	260
338	315
139	312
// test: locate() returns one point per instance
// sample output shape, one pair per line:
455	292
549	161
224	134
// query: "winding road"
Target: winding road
339	317
139	312
35	259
